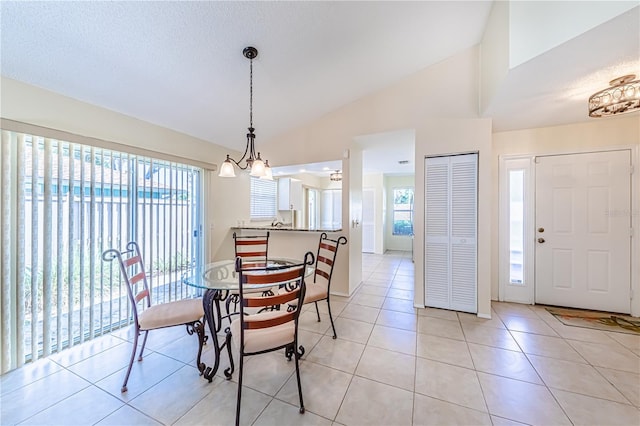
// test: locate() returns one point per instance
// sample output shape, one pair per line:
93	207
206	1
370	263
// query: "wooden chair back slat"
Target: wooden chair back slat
326	246
252	254
132	261
137	278
325	260
250	242
142	294
270	322
278	299
266	276
322	273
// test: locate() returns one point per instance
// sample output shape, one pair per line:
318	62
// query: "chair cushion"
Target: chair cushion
315	292
261	339
171	313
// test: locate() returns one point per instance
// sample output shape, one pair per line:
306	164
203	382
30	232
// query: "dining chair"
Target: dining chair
268	331
320	288
147	317
252	249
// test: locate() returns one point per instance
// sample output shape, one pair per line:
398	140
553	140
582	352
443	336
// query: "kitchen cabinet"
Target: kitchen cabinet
289	194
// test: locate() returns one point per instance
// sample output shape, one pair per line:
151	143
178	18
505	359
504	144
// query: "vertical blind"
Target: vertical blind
62	205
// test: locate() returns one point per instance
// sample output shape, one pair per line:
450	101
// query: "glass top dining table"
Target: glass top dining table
221	284
222	275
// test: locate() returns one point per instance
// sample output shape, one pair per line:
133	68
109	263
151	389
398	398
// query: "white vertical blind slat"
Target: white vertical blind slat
171	232
35	158
110	240
20	248
5	252
59	249
71	244
100	238
47	276
81	240
92	244
152	243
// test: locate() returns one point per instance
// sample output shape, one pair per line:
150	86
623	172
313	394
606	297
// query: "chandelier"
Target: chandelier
336	177
253	162
623	96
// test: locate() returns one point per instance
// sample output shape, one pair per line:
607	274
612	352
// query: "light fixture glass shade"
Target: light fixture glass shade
622	97
268	174
226	170
257	167
336	177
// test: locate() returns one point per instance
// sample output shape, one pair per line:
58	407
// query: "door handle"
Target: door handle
541	240
541	229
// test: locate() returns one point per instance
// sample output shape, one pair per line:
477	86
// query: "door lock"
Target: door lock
541	240
541	229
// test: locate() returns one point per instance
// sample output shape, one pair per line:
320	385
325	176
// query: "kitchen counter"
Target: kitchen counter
283	228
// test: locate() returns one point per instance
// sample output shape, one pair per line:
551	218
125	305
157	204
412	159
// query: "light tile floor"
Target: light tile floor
391	365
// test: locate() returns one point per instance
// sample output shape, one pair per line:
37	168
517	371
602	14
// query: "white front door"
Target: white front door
583	230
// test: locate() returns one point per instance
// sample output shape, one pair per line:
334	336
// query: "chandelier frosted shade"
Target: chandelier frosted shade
336	177
226	170
257	167
622	97
268	173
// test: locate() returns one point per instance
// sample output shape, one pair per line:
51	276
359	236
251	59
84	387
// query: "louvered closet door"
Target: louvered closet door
451	232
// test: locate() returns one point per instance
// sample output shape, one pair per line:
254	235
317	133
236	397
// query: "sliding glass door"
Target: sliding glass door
62	205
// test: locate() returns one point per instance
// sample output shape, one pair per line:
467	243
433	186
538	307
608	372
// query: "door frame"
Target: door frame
529	211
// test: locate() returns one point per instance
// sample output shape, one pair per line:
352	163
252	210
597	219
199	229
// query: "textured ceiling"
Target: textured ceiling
180	64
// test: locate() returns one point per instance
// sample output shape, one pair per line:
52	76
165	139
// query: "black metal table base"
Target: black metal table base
211	304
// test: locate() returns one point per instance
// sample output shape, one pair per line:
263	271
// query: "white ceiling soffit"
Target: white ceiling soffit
180	64
322	169
554	87
391	153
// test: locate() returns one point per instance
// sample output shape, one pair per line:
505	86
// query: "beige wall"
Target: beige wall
442	137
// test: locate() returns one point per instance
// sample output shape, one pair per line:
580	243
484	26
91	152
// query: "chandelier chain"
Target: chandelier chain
251	92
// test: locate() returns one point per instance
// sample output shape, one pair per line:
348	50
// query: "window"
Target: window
516	228
515	236
403	211
65	203
263	198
